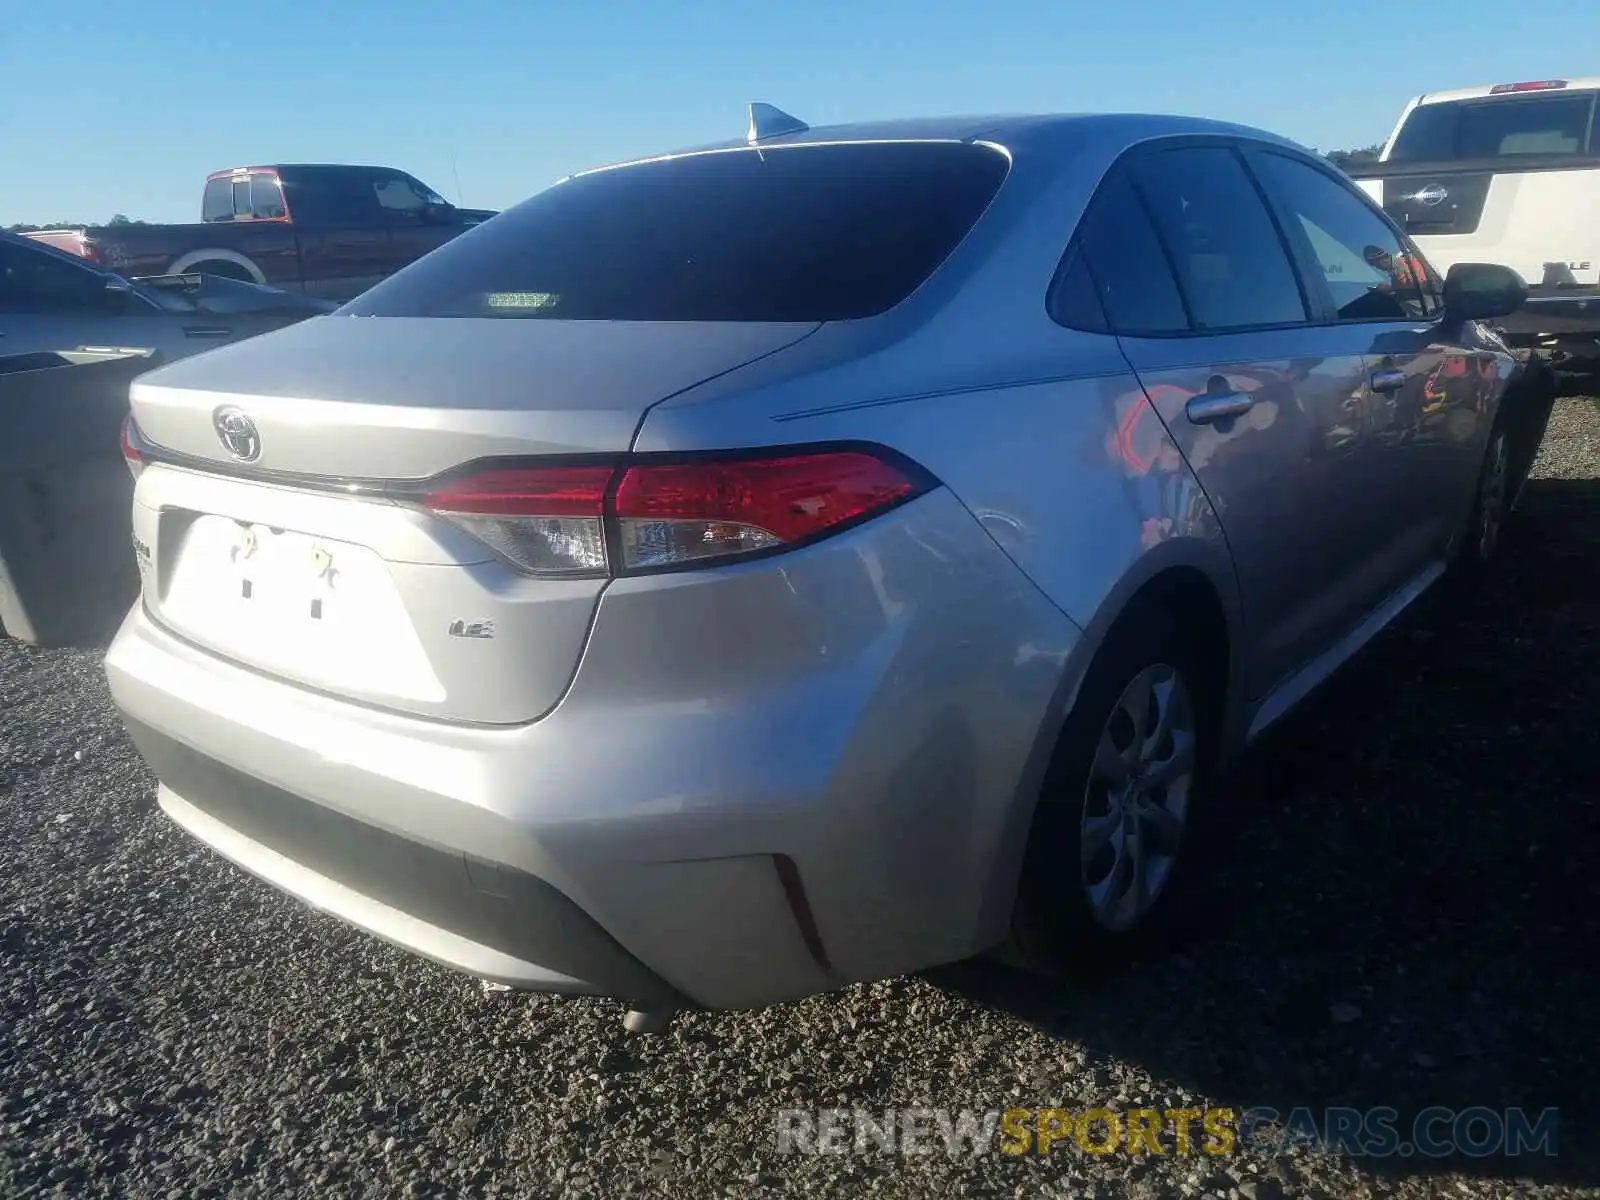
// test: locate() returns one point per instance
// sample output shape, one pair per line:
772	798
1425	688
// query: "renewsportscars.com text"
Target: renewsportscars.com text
1438	1132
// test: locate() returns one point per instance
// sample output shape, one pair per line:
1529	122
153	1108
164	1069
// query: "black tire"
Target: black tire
222	269
1529	409
1480	539
1054	930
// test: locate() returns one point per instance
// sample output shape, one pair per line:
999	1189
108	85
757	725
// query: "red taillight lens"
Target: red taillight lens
664	514
676	513
546	520
536	491
130	449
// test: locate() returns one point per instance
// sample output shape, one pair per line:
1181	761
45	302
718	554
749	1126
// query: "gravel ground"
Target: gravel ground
1407	915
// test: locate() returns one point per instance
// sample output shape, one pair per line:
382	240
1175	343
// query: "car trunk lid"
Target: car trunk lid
405	398
307	563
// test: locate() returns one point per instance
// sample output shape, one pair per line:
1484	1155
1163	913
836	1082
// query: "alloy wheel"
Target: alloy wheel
1136	803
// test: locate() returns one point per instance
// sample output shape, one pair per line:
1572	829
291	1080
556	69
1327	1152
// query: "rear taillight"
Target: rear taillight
130	447
547	520
661	514
669	514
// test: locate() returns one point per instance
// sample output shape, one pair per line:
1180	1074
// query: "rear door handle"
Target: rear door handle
1217	406
1388	381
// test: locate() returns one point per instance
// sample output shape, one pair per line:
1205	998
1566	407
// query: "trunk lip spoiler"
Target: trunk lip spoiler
353	486
412	491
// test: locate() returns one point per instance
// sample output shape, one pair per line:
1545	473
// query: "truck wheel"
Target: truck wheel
221	268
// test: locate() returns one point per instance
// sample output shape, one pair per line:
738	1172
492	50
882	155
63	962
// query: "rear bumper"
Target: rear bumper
886	744
495	922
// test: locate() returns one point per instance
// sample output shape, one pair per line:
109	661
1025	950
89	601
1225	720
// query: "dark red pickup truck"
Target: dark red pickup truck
330	231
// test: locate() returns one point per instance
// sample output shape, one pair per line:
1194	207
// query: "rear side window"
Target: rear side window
798	233
1230	261
1487	129
218	202
1369	274
1117	264
266	198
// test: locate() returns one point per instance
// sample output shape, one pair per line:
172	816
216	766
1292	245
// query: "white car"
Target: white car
1508	174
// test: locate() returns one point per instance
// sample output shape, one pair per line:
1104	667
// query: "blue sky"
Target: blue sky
124	105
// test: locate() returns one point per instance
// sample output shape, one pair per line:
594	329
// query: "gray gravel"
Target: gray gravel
1408	913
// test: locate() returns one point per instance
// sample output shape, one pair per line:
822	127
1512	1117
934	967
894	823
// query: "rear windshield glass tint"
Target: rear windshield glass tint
1479	129
803	233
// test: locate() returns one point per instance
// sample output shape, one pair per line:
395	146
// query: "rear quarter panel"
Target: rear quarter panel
1075	478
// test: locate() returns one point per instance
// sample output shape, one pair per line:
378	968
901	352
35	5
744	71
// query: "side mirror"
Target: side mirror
1483	291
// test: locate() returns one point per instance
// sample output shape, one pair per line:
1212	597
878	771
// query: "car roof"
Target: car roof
274	168
1014	131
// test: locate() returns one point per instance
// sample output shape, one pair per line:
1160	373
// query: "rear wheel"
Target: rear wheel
222	269
1482	536
1533	402
1114	838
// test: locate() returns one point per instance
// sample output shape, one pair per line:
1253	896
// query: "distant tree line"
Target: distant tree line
1345	159
119	219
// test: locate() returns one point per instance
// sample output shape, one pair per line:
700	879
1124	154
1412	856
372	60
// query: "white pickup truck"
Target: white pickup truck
1506	174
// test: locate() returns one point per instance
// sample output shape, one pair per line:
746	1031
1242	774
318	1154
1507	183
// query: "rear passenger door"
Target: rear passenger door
1197	283
1425	407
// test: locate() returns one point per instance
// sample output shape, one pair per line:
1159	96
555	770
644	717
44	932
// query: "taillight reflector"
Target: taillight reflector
658	514
1537	85
130	451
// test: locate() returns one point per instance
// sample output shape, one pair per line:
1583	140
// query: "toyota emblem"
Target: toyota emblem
237	433
1431	195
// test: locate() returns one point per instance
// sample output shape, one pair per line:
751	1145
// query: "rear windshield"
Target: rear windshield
799	233
1486	129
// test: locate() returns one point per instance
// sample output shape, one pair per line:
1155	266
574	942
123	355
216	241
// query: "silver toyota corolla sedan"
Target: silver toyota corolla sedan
737	573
